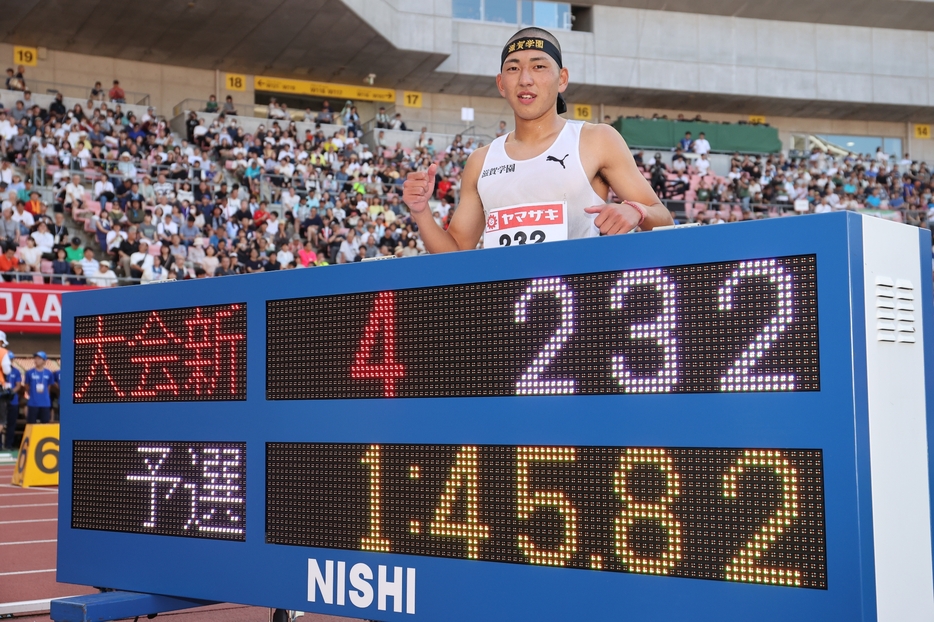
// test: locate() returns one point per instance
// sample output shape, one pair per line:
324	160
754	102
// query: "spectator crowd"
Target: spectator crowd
765	186
218	200
214	202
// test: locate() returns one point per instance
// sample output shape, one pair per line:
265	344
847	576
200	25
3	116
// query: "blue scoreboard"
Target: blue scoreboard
718	423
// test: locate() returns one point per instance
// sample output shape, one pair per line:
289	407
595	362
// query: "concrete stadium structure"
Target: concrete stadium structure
862	68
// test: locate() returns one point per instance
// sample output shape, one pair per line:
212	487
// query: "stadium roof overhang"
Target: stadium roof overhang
897	14
310	39
284	38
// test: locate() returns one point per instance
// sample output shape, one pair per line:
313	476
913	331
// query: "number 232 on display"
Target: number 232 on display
661	331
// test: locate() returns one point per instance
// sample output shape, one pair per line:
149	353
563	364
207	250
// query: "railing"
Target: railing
104	168
371	124
83	92
688	210
61	279
259	111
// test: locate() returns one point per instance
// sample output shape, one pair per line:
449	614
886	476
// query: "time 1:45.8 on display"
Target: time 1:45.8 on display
745	515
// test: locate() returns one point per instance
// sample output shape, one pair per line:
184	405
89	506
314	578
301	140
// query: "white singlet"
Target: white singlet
541	199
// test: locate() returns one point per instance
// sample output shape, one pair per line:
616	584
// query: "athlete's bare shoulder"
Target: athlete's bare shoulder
475	163
601	135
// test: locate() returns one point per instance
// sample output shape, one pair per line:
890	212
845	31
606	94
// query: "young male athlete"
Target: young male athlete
549	179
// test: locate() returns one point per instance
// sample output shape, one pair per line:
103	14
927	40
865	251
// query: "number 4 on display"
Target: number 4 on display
381	324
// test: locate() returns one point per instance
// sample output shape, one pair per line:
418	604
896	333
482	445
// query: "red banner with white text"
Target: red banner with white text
32	307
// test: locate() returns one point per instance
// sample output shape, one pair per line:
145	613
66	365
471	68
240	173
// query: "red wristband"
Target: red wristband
639	209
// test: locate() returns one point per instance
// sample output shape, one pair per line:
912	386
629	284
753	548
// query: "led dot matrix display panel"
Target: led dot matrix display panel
728	326
191	489
169	355
748	515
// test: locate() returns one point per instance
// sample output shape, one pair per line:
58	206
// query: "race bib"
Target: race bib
526	224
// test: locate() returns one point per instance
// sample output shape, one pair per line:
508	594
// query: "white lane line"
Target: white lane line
27	542
28	491
21	488
33	520
7	574
28	505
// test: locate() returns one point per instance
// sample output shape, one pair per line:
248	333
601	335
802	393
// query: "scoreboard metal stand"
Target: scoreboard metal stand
712	423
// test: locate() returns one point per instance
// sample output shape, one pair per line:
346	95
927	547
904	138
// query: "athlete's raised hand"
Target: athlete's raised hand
614	218
418	188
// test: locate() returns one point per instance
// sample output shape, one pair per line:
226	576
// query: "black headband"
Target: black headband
532	43
537	43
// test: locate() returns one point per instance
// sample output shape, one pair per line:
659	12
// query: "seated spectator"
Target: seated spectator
382	119
77	277
57	107
274	111
30	255
74	252
325	116
60	267
9	228
189	231
224	268
105	277
307	256
104	190
700	146
89	265
44	239
13	83
117	95
229	108
686	143
397	123
74	194
167	228
9	262
140	260
155	271
212	105
97	93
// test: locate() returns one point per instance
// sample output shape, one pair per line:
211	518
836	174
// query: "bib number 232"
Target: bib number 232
521	237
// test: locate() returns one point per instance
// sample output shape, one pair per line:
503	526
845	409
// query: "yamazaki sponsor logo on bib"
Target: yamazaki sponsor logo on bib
524	216
526	224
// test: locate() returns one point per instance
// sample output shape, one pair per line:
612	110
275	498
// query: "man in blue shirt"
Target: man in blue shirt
15	380
39	379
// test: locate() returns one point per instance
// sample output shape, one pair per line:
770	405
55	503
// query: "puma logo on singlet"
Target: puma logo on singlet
561	161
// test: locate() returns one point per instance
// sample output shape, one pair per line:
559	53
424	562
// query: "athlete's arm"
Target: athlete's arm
616	166
467	222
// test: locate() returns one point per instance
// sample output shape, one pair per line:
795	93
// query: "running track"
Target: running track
28	532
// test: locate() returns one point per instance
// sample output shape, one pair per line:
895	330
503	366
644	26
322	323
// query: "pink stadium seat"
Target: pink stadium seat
38	279
45	266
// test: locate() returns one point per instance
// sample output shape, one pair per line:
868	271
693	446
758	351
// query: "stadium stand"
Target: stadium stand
122	195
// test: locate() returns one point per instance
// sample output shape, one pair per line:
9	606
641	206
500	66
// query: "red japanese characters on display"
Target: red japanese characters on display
191	354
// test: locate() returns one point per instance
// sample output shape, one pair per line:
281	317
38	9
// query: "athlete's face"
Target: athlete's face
530	81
